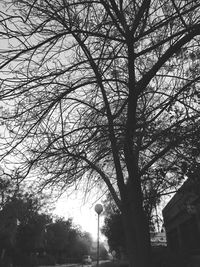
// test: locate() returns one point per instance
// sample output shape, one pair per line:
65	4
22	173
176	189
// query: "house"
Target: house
158	239
182	220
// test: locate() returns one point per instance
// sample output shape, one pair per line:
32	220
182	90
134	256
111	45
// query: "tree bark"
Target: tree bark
136	228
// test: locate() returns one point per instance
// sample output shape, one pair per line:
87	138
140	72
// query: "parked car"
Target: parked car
86	260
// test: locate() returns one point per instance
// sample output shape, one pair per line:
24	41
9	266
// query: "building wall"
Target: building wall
182	221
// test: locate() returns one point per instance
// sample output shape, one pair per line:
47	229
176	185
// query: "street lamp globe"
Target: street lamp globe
98	208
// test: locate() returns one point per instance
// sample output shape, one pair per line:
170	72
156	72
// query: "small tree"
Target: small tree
102	90
114	231
21	227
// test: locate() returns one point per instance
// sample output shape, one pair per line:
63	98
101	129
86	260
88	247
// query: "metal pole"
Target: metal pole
98	242
98	209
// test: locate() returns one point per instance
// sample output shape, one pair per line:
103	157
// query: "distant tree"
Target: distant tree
84	244
59	237
66	242
21	226
30	235
26	230
9	190
30	239
8	187
104	91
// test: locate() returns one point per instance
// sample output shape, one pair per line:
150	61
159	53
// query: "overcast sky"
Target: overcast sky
83	214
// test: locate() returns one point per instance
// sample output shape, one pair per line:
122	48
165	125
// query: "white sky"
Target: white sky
83	214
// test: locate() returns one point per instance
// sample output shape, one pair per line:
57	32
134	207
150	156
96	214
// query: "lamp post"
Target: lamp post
98	208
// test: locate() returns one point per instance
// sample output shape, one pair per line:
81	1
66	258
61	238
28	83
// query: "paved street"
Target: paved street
63	265
66	265
73	264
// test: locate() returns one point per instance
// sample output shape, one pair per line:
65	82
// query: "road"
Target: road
63	265
74	264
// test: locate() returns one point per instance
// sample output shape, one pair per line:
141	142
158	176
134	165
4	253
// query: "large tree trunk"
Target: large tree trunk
136	227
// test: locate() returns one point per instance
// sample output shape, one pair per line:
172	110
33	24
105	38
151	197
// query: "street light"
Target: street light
98	208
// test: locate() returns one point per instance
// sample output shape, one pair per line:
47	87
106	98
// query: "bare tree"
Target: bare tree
102	90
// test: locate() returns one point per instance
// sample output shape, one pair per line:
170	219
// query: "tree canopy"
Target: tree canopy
66	79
